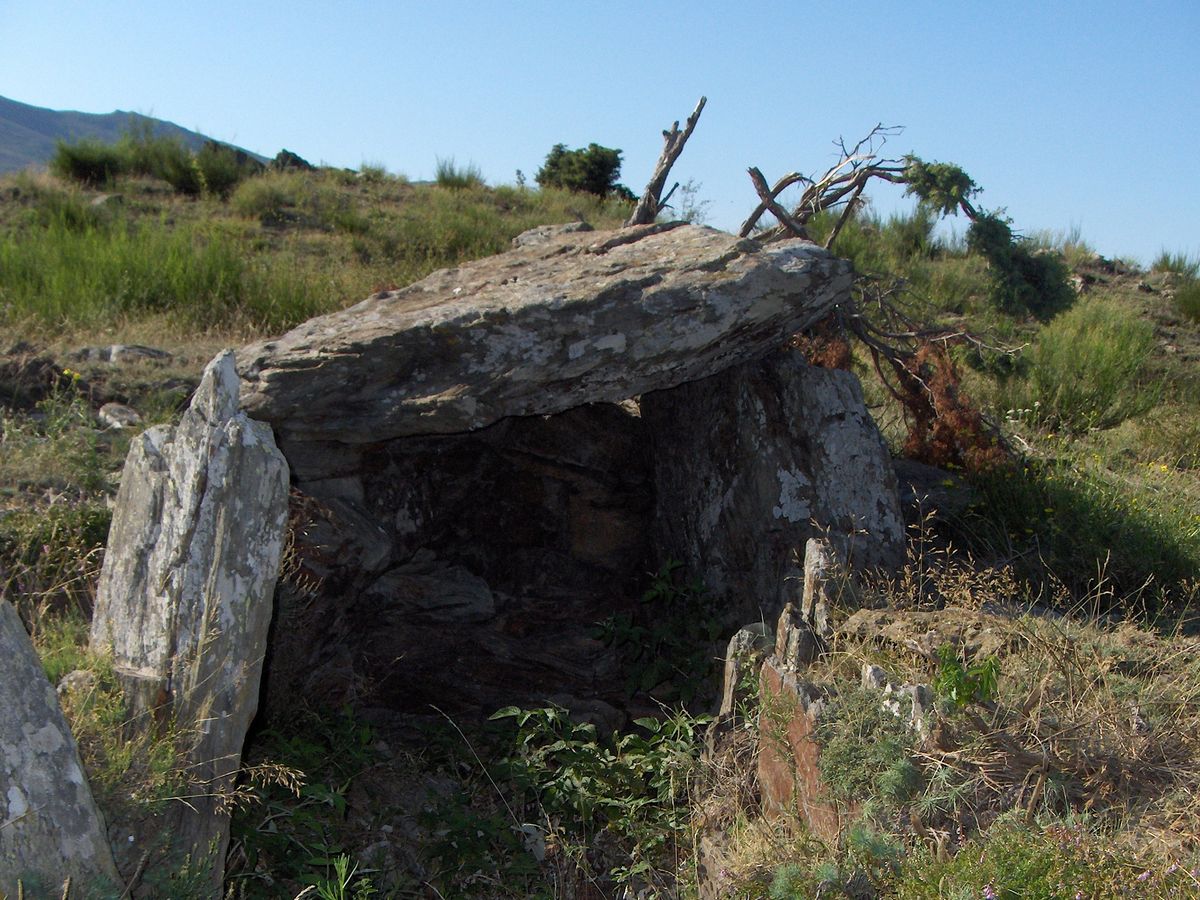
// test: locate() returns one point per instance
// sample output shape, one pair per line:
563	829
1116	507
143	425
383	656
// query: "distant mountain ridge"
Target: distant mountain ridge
29	134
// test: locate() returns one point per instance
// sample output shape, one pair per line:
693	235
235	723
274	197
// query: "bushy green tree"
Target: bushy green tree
593	170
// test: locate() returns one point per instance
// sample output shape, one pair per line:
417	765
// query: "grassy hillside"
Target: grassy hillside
1071	770
30	134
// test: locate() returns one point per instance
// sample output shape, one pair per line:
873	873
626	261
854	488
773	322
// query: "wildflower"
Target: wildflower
1145	875
989	892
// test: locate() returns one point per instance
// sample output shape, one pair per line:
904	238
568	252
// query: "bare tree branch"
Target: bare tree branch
846	178
769	203
647	208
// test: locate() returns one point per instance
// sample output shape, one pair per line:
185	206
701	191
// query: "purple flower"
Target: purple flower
1144	875
989	892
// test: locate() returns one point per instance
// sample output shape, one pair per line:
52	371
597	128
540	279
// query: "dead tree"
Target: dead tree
652	200
912	362
842	184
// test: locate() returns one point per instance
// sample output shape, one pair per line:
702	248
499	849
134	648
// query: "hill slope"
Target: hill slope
28	134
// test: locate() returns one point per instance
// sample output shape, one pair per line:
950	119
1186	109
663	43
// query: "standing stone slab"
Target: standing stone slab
752	462
185	596
50	828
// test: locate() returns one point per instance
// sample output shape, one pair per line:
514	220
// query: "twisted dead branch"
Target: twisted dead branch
843	183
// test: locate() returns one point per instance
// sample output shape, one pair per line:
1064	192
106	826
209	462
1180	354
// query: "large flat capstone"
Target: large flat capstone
578	318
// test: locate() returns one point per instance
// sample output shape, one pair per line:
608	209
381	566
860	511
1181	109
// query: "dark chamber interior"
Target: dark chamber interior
470	571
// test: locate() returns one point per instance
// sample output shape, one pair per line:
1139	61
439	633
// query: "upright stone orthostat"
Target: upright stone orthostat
752	462
185	596
50	828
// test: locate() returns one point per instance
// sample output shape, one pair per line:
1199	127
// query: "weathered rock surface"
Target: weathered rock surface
541	329
50	828
184	599
753	462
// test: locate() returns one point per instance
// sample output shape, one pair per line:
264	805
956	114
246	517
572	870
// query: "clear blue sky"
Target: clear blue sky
1068	114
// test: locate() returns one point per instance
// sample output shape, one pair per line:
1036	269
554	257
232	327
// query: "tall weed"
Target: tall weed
1180	263
1084	368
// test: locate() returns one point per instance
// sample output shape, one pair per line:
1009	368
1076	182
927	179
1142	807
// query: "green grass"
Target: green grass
450	175
1084	369
1187	298
1180	263
316	243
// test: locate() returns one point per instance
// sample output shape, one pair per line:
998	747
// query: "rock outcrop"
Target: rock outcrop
185	596
50	829
493	458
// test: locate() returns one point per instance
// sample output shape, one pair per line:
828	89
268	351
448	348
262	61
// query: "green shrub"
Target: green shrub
631	785
1179	263
593	170
960	684
1058	862
1084	368
668	644
199	275
220	169
1070	524
89	162
1187	298
457	177
1023	279
158	156
865	748
265	198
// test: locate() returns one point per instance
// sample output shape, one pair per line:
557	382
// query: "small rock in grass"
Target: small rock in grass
118	415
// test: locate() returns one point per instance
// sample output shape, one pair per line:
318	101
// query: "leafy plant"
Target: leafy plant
1022	280
1187	298
667	643
593	170
960	684
1179	263
942	187
865	748
628	786
337	886
89	162
287	831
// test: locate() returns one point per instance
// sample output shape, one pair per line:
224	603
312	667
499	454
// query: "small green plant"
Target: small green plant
866	748
456	177
344	883
290	830
1187	298
961	685
266	198
629	786
1022	279
667	644
791	881
1180	263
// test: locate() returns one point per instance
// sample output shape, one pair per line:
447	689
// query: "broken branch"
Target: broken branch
648	206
